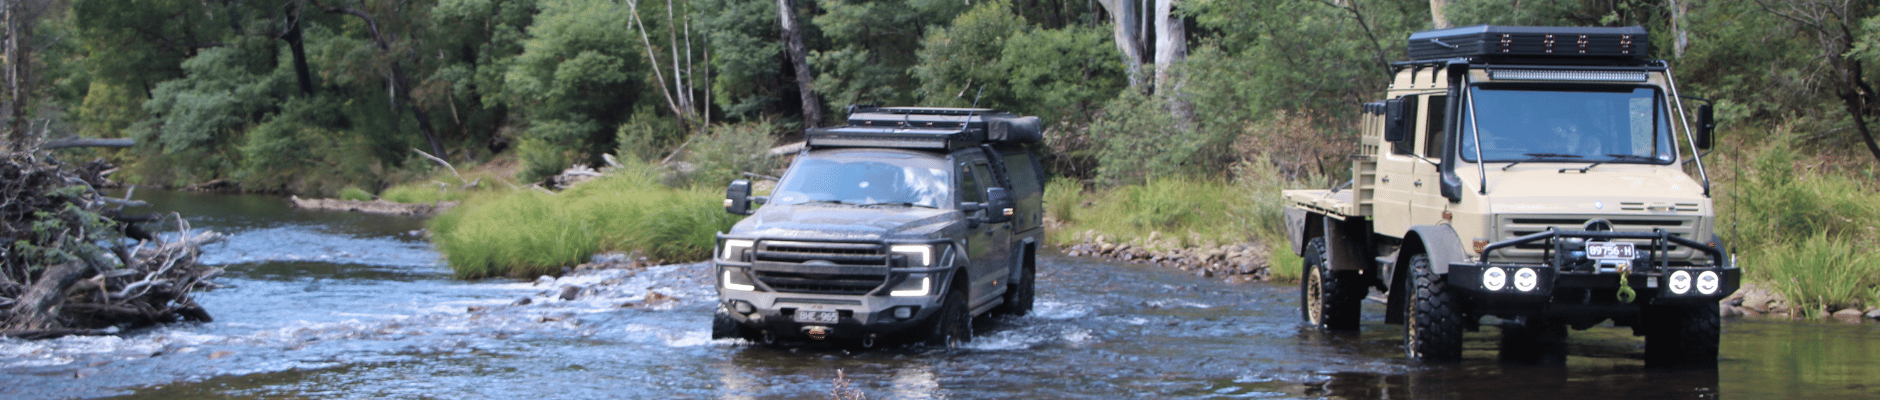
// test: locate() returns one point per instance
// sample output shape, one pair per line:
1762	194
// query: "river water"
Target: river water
345	305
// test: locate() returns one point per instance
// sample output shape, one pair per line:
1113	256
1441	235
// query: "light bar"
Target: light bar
1567	75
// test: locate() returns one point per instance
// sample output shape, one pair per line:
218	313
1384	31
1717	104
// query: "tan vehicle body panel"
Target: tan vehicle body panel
1398	191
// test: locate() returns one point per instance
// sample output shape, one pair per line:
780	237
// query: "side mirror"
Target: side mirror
998	205
738	197
1706	124
1394	120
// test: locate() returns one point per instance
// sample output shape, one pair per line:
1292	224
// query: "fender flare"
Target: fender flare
1439	242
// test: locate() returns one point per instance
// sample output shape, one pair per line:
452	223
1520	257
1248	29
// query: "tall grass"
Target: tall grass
527	233
1803	233
1181	211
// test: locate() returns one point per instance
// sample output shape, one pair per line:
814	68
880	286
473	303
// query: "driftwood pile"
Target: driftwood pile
71	263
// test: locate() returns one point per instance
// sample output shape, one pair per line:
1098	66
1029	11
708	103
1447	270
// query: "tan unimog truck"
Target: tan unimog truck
1550	177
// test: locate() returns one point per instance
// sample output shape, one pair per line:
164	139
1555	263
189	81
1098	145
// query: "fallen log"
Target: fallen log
82	142
372	207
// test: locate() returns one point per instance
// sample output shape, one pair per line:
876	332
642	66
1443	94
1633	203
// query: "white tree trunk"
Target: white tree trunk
1171	44
1123	22
1438	20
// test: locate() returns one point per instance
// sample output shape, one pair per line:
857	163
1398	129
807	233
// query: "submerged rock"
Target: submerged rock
570	292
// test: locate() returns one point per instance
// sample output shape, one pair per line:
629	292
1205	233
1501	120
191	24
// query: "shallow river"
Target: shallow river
341	305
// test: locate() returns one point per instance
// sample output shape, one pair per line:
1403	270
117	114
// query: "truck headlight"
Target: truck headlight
918	255
737	280
915	285
1708	282
1680	282
1494	278
1526	280
733	250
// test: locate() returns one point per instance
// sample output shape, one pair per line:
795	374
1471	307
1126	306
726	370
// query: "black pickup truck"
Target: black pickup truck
906	223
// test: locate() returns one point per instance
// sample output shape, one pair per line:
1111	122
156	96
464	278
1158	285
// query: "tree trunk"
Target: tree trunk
401	85
38	308
1123	22
296	45
1438	20
1680	39
799	60
18	75
1171	45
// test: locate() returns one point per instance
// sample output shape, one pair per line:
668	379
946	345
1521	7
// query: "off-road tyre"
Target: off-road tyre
1681	335
1328	300
1022	291
1432	328
952	326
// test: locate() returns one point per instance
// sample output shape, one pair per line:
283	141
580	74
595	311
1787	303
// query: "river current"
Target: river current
346	305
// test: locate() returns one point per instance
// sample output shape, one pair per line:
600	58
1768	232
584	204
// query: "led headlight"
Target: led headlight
733	250
914	285
735	280
1708	282
1526	279
1680	282
1494	278
918	255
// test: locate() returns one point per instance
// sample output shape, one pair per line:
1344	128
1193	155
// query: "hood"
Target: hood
845	222
1610	189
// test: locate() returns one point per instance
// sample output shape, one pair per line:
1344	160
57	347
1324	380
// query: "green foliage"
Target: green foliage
1775	199
647	135
960	63
871	45
1138	140
528	233
729	151
1193	212
747	57
353	193
1062	198
1817	272
1062	74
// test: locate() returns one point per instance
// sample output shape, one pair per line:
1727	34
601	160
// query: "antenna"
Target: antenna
975	110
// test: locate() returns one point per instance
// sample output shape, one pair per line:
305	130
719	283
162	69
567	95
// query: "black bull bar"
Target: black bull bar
1651	284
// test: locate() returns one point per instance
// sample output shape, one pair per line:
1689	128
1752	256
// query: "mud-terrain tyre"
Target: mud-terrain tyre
1023	292
1681	335
952	326
1432	328
1328	300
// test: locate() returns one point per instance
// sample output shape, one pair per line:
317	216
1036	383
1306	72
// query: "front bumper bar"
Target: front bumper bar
1650	276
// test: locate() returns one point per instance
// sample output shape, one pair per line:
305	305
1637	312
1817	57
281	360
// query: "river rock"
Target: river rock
1849	314
570	292
522	302
1874	313
544	280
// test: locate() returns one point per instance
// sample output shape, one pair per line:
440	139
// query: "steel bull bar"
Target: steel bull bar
1652	276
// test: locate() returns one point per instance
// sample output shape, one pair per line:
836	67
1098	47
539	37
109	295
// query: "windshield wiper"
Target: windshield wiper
1539	156
889	203
1615	158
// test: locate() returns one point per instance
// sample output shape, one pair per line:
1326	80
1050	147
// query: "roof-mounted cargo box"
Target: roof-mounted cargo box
1494	41
927	128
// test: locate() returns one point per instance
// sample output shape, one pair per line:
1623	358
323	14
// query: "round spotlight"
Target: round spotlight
1708	282
1680	282
1494	278
1526	279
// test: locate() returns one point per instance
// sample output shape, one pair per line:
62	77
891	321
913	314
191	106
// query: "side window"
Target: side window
1433	127
982	172
969	186
1410	122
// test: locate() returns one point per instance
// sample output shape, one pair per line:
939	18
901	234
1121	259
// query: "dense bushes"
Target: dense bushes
1803	233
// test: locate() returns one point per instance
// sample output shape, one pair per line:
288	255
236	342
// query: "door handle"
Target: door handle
1418	183
1386	179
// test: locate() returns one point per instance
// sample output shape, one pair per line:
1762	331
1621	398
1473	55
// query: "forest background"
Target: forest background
1154	107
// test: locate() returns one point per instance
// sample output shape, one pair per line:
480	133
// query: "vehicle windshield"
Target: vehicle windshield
1525	125
866	178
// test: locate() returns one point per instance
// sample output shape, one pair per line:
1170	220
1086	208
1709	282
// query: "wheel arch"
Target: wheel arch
1443	247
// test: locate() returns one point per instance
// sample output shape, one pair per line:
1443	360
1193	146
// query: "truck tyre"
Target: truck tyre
951	327
1020	296
1681	335
1329	300
1432	329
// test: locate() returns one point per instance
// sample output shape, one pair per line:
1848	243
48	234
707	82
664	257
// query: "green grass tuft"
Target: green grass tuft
354	194
1181	212
1817	273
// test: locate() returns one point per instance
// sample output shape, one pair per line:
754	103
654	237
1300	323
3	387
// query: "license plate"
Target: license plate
1611	251
816	317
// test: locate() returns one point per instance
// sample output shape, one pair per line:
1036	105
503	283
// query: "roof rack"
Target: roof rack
926	128
1508	43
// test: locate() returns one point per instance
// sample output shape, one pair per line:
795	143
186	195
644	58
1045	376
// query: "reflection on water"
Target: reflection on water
343	305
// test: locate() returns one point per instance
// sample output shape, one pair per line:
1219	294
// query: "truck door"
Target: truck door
1426	196
987	244
1396	171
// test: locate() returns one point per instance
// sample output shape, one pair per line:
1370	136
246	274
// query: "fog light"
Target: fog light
742	307
1494	278
904	312
1526	279
1680	282
1708	282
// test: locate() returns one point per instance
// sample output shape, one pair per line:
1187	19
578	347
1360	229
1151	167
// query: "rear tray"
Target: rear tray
1530	41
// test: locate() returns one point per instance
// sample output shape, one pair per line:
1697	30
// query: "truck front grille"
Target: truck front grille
820	267
1513	227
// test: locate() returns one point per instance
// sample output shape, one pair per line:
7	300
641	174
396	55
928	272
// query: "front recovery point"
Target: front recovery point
1595	267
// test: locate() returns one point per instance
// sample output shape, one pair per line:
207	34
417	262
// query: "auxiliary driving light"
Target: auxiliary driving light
1494	278
1680	282
903	312
1526	279
1708	282
743	307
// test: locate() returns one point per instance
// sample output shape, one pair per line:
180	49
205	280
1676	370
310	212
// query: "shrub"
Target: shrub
1817	273
727	152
